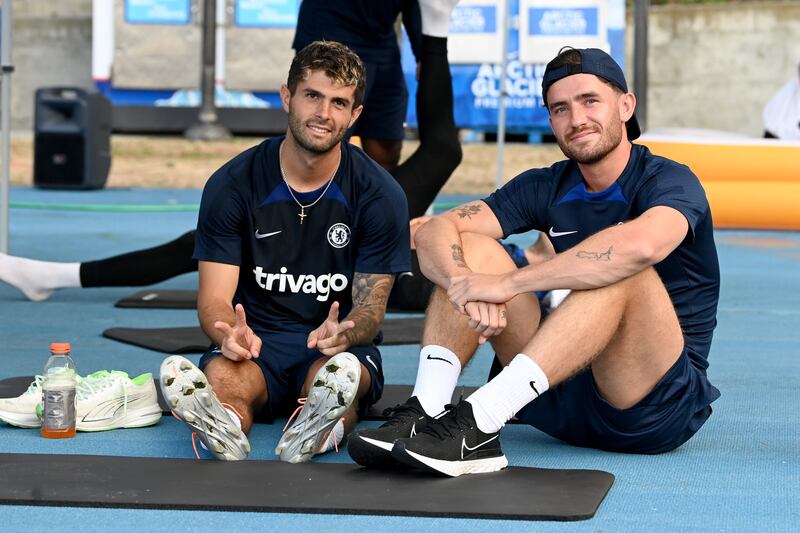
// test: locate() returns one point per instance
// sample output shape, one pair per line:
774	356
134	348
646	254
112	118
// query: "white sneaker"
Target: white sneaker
21	411
187	392
112	400
331	395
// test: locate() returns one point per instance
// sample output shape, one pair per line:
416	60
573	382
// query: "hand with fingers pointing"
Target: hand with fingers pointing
239	341
329	338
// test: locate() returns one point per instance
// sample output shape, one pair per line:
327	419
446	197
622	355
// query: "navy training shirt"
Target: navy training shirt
290	273
366	26
555	201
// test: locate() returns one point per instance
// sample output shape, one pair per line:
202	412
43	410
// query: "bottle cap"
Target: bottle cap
59	347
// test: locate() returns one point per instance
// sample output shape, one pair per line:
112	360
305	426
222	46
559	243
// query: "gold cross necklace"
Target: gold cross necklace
302	213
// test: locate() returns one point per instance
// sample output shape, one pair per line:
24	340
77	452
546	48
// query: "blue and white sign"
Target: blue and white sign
157	11
551	22
475	31
546	26
476	82
266	13
474	19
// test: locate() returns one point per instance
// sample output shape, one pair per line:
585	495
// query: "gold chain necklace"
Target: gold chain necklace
302	213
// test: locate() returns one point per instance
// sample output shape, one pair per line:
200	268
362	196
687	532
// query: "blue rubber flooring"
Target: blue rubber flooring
741	472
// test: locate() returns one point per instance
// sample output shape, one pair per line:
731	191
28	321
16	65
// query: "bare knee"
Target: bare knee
640	286
235	378
485	255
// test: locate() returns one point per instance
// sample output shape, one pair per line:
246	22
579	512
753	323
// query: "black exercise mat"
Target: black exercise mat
166	340
272	486
392	395
160	299
402	330
13	387
185	340
182	299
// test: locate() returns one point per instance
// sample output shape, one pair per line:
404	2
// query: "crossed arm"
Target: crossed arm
604	258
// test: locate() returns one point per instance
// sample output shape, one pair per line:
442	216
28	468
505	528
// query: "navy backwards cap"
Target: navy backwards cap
597	62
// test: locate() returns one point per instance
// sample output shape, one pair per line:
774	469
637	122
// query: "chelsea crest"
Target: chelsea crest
339	235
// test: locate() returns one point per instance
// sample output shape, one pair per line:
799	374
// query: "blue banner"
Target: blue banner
474	19
157	12
476	88
266	13
554	22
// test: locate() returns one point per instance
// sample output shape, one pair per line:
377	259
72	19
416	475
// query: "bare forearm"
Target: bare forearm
600	260
440	251
370	296
211	312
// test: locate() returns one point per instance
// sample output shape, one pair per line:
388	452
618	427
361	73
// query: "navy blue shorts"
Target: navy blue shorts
285	362
385	102
667	417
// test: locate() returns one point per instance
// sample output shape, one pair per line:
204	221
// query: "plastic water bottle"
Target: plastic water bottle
58	393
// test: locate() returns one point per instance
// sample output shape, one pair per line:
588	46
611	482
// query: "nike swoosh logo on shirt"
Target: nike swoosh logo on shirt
560	233
265	235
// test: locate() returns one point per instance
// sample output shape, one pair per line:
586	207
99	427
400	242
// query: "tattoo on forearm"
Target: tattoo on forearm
466	211
458	255
370	295
595	256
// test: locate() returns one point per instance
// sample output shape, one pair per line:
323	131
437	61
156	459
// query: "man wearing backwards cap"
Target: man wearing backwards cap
621	364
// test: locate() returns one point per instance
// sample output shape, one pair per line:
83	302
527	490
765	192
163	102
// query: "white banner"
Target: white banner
545	26
476	28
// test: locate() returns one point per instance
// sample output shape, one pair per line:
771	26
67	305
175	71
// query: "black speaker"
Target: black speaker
72	139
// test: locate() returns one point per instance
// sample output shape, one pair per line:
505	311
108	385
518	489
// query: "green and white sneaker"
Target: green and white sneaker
112	400
21	411
187	392
332	393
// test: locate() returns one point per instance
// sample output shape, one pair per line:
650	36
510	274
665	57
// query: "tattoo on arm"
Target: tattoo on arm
595	256
458	255
466	211
370	295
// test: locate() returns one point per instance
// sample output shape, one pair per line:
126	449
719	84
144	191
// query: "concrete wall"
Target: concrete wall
715	66
52	46
711	66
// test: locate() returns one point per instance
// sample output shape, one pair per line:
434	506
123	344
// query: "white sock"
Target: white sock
236	420
513	388
435	16
437	376
38	279
557	296
331	443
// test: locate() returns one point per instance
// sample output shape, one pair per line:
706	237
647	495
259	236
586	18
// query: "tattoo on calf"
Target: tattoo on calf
466	211
595	256
458	255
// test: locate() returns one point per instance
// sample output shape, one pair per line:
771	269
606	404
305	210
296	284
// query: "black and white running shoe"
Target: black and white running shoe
452	445
373	447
